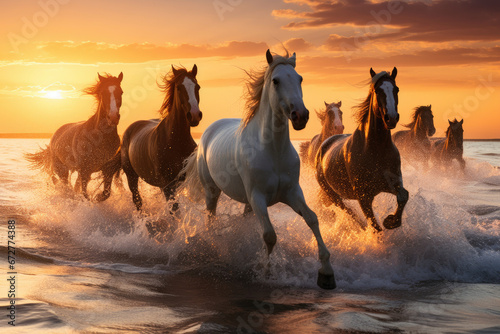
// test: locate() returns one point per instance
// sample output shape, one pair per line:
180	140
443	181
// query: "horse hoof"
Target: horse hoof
392	222
101	197
326	281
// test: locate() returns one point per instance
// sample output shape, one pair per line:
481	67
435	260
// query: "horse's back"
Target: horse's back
399	136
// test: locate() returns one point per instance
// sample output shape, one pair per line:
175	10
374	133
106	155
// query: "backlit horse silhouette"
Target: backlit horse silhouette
86	147
415	143
444	150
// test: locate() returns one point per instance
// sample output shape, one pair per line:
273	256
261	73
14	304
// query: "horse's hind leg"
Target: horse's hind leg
326	279
169	193
85	178
108	179
60	170
133	184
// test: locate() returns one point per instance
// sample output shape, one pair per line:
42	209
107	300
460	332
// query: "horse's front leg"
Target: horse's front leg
169	192
402	195
108	179
259	206
85	178
365	202
296	201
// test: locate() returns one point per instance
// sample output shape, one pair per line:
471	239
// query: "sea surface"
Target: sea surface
84	267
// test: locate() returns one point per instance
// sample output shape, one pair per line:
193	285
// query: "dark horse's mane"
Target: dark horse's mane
416	113
449	127
168	87
362	110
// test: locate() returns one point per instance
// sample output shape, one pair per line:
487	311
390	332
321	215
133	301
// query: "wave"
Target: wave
443	237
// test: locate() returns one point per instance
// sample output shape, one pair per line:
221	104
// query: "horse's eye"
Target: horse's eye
276	82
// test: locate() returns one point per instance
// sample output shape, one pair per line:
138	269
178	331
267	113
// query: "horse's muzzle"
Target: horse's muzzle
114	119
194	117
299	118
391	122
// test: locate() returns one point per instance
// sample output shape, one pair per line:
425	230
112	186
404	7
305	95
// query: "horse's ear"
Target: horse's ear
269	57
326	104
120	77
194	71
394	73
100	77
430	106
372	72
462	121
339	104
174	71
450	122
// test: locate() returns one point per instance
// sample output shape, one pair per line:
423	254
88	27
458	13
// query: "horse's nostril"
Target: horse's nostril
294	116
386	118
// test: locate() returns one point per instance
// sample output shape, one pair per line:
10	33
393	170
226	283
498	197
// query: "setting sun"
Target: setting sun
53	94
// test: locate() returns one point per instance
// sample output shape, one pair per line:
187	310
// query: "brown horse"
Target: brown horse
154	150
86	147
415	142
444	150
366	163
331	122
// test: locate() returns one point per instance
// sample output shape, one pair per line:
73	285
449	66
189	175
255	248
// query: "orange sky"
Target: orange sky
447	53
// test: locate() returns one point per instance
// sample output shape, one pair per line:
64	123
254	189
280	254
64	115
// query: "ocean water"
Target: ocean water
84	267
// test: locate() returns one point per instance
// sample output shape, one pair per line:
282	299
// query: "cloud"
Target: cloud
424	20
94	52
297	44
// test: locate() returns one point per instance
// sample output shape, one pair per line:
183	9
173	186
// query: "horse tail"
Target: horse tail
304	150
40	160
192	183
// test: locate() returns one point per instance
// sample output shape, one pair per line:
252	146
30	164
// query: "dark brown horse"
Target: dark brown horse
415	143
331	122
86	147
366	163
154	150
444	150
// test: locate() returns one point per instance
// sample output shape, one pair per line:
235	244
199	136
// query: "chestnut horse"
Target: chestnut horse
331	122
366	163
86	147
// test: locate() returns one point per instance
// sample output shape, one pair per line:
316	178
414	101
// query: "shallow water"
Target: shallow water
87	267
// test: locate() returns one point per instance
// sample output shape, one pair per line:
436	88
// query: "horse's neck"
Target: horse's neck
327	130
419	131
451	144
174	126
374	130
271	129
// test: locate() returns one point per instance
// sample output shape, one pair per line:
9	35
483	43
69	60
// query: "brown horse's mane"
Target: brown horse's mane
168	87
322	114
255	85
416	113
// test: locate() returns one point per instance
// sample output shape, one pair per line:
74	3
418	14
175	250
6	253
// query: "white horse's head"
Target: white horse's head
285	91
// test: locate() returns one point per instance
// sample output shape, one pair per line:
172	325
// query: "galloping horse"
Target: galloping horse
155	149
253	161
86	147
366	163
415	142
444	150
331	121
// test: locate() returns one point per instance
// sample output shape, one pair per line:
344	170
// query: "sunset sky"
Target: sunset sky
447	53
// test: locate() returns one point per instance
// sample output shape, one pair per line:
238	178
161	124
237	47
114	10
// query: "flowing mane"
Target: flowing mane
95	89
168	87
416	113
362	110
255	85
322	114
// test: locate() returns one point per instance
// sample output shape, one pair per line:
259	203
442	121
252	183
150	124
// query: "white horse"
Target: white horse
252	159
